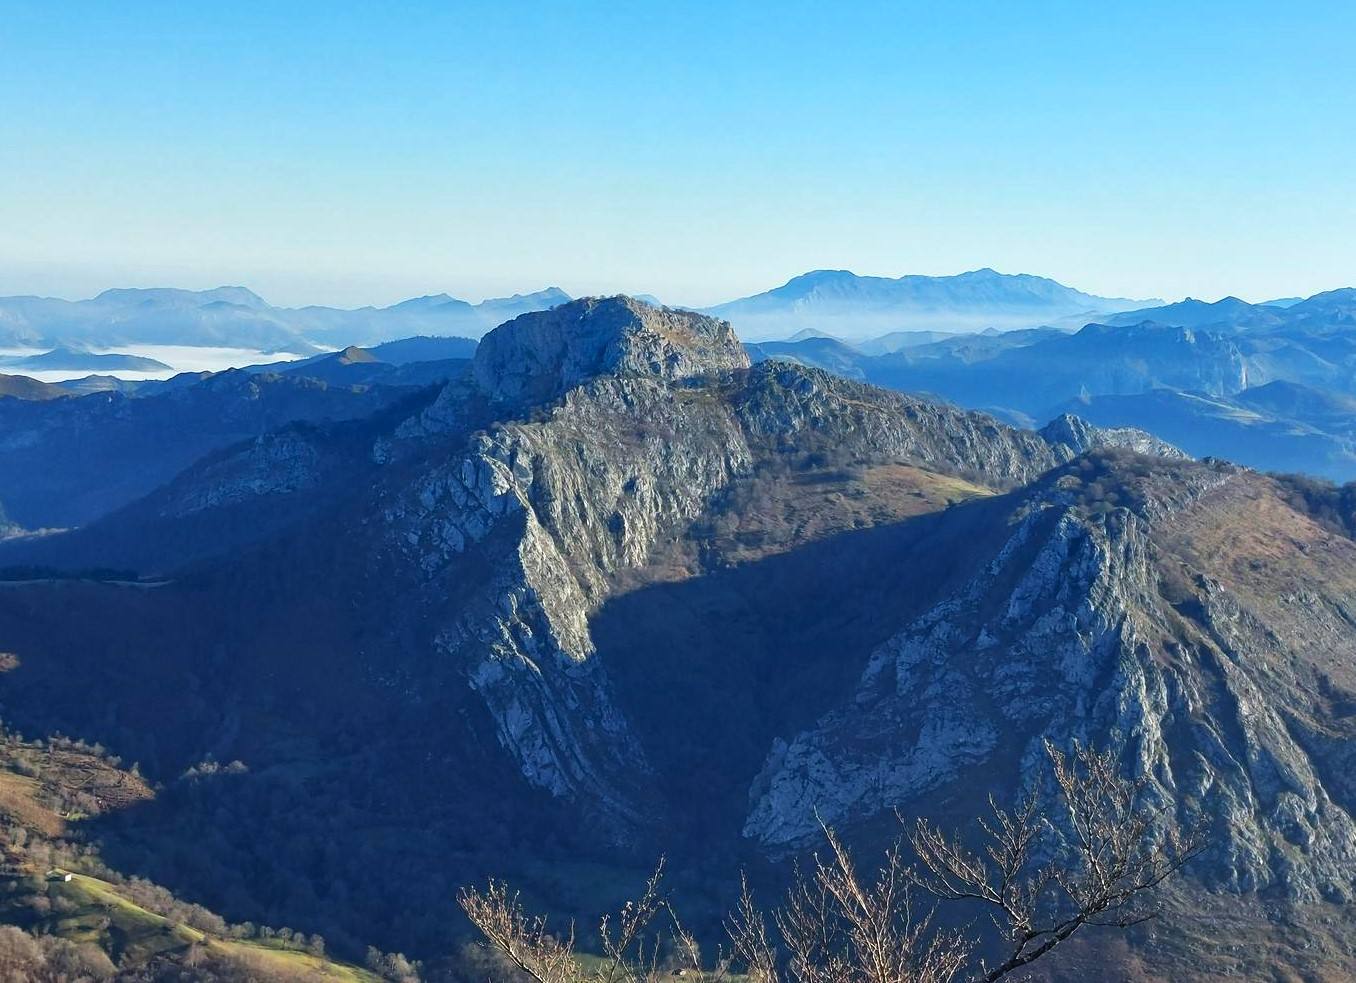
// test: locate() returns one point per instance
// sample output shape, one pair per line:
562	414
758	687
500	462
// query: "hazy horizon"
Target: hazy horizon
349	156
525	289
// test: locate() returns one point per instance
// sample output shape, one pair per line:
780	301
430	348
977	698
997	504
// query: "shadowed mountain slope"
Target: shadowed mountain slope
66	462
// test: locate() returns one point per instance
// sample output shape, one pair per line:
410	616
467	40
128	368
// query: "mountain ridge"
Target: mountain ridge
237	317
848	306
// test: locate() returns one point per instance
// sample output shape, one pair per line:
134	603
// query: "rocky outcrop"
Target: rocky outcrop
1118	627
538	357
800	406
557	507
625	454
631	420
1079	434
787	404
274	464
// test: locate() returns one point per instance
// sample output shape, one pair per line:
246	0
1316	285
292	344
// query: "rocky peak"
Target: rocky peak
536	357
1196	634
1080	435
1072	430
353	355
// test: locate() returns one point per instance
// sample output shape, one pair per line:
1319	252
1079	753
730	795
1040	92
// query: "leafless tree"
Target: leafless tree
838	928
1093	855
1094	858
498	915
630	942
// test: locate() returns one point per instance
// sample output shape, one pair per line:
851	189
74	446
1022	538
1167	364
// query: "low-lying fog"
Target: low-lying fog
180	358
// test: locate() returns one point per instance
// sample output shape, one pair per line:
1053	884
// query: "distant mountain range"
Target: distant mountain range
1202	375
235	317
849	306
885	313
834	302
1279	426
1266	385
68	460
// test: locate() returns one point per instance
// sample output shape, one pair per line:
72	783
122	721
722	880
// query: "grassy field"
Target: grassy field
89	910
44	789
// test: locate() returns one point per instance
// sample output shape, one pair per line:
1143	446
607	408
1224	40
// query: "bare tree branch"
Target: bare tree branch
1090	854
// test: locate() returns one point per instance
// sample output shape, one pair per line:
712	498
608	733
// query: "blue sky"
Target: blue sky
353	153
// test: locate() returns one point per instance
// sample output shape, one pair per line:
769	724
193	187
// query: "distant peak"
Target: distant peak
819	276
805	334
427	302
235	295
239	296
548	297
353	355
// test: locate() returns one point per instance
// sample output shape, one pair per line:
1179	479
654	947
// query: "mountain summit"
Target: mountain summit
846	305
540	355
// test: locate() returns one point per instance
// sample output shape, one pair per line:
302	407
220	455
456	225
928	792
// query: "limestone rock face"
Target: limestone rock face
626	424
621	453
1083	436
537	357
1126	628
630	420
275	464
557	507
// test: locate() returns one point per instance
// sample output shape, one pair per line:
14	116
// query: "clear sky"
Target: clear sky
350	153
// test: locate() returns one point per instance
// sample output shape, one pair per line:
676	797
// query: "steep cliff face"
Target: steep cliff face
1149	622
631	422
554	508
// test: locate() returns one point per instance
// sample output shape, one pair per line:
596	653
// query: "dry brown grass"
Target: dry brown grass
766	515
41	787
19	800
1280	563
